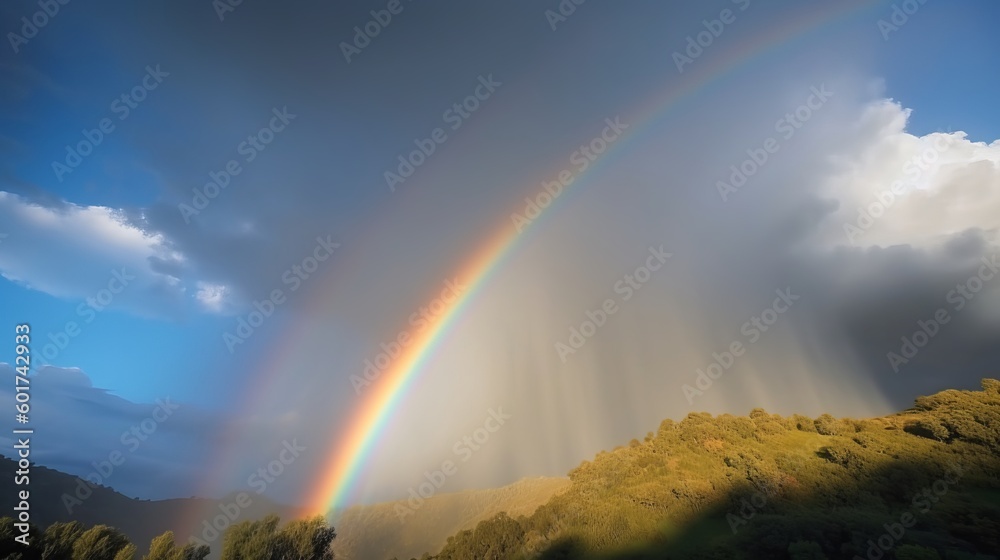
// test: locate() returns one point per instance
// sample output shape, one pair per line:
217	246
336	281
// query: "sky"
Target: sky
791	200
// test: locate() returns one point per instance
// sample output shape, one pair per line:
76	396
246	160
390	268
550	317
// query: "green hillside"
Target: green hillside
921	484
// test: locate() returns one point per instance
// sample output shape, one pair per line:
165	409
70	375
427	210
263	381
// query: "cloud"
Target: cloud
167	440
75	252
899	188
911	220
213	297
784	228
77	424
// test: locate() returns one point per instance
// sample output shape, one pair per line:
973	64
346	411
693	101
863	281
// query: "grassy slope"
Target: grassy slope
827	486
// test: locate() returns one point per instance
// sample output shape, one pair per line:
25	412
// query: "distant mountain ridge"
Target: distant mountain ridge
139	520
363	532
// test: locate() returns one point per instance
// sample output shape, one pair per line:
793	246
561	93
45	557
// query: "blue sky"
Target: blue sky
323	176
954	39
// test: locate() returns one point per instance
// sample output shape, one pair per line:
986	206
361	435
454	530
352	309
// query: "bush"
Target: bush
828	425
803	423
101	543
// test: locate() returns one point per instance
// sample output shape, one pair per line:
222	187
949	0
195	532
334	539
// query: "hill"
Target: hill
139	520
363	532
920	484
385	530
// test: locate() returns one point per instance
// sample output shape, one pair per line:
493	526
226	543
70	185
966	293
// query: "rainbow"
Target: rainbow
349	453
346	460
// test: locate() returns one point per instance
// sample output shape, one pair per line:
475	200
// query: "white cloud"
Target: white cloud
899	188
214	297
74	252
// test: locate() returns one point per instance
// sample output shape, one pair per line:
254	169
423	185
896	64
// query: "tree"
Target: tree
127	553
192	552
57	542
100	543
990	386
164	547
11	549
827	425
251	540
307	539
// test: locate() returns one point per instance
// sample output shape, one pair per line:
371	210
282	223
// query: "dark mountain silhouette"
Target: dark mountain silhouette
139	520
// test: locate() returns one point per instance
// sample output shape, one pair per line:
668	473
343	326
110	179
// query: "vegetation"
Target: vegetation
307	539
924	483
395	529
262	540
920	484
